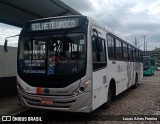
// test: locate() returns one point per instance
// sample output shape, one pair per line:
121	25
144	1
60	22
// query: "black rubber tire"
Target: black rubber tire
153	72
136	82
108	103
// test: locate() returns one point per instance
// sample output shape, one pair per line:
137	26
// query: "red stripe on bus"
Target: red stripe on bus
38	90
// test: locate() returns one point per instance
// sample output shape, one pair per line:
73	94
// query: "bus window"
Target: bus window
134	54
141	59
111	49
152	62
98	53
125	51
39	48
118	50
137	55
145	61
25	46
130	53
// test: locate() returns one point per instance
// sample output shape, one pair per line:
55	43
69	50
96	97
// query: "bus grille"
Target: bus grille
57	103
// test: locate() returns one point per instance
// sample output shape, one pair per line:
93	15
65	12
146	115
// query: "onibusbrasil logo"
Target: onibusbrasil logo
13	118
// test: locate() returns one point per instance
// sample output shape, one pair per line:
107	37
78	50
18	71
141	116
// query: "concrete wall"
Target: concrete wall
8	67
8	62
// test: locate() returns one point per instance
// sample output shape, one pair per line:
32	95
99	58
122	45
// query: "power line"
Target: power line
100	12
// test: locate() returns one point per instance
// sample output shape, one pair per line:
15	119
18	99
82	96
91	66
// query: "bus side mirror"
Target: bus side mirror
5	45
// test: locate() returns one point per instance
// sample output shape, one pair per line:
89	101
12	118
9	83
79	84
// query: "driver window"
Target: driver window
98	53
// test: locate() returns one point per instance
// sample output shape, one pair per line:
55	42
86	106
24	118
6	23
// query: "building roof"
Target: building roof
18	12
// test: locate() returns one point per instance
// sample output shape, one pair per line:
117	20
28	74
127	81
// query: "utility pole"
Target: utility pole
135	41
144	36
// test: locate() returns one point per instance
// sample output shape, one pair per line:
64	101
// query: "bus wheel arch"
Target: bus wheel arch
136	81
111	94
112	85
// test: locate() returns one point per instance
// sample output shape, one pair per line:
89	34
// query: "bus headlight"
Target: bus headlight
82	88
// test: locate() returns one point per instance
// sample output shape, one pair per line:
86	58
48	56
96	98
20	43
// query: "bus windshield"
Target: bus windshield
52	54
146	61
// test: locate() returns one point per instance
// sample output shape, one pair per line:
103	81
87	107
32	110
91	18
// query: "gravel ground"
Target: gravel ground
142	103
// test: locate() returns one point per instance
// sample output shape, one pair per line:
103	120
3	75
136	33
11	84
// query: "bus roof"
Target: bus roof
91	20
41	19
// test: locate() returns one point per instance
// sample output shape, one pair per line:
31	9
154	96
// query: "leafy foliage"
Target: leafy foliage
157	50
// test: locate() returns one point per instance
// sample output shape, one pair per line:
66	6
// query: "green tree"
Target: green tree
157	50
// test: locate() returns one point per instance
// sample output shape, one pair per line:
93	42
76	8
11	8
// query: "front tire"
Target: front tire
108	103
136	82
151	72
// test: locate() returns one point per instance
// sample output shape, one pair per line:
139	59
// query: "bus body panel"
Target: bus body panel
100	86
141	71
52	91
78	103
123	77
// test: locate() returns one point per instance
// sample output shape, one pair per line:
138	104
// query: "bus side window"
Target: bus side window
139	55
111	47
118	50
125	52
129	53
98	53
152	62
134	54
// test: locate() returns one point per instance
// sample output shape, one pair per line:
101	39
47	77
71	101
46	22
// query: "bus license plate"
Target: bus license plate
47	101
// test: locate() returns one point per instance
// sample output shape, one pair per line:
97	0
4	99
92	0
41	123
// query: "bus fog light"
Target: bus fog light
81	89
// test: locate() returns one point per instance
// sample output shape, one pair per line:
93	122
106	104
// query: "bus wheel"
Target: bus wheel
108	103
136	82
153	72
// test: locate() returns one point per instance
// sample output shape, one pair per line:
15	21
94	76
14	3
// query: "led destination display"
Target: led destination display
55	24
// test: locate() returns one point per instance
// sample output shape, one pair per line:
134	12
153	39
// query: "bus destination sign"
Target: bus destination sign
55	24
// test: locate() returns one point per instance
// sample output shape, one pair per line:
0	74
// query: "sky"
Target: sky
129	19
8	30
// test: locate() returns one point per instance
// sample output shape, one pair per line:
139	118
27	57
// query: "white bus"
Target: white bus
73	64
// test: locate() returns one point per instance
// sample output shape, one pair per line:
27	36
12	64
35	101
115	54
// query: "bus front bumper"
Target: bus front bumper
147	72
80	103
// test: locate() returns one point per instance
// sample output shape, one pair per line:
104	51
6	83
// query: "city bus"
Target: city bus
148	65
73	64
